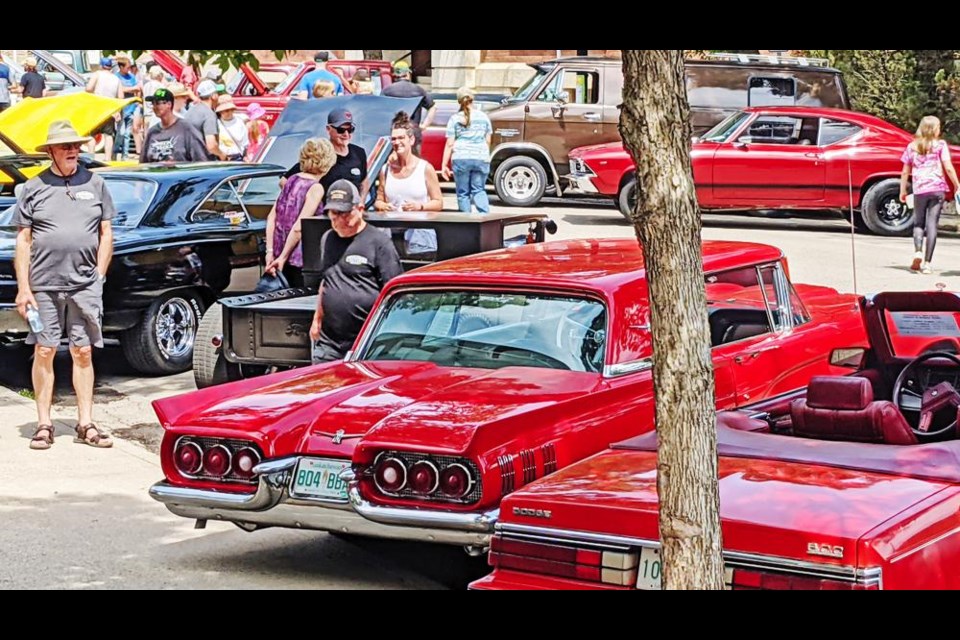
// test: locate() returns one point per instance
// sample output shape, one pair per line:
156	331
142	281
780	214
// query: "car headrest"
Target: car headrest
839	393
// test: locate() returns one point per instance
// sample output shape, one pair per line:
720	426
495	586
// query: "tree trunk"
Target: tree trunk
373	54
656	130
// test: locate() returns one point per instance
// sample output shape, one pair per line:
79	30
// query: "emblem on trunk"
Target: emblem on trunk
533	513
338	436
824	550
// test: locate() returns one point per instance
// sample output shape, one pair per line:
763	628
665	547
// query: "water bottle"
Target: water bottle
33	318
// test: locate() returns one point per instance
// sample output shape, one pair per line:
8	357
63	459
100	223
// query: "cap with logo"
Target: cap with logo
401	67
342	196
206	89
161	95
339	117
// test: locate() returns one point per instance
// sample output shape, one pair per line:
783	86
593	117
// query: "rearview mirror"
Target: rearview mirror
854	358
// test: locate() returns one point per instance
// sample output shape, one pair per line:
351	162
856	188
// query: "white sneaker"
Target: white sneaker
926	269
917	260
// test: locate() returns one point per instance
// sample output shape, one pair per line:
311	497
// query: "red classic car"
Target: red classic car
779	158
854	484
274	84
473	377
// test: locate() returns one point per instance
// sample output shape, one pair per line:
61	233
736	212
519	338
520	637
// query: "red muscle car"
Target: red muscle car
474	377
853	484
779	158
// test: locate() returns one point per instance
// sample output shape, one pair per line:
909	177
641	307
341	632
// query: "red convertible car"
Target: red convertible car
854	484
474	377
779	158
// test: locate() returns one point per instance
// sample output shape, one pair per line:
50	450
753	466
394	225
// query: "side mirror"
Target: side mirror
854	358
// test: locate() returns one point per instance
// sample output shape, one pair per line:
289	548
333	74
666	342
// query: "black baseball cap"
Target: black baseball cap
161	95
342	196
339	117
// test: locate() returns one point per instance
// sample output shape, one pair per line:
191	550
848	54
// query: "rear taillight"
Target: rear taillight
455	481
744	579
390	475
424	478
244	461
615	567
216	461
188	457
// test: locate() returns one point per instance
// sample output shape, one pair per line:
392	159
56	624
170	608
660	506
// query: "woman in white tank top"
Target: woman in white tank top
407	183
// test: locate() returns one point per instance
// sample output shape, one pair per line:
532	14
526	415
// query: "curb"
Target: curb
8	398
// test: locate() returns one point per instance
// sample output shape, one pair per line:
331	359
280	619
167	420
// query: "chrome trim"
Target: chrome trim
240	177
176	447
229	461
396	516
436	477
470	481
376	466
256	455
626	368
507	147
736	559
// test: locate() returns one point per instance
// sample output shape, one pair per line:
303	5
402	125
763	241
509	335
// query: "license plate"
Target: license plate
651	569
317	478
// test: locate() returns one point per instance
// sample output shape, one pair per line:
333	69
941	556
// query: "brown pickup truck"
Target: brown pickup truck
574	102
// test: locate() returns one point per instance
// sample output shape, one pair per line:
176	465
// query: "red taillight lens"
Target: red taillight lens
216	461
613	567
423	477
759	581
243	463
390	475
455	481
188	457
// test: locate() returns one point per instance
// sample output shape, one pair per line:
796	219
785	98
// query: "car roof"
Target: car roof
161	171
601	265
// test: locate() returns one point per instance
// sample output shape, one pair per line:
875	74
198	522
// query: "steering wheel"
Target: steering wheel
931	400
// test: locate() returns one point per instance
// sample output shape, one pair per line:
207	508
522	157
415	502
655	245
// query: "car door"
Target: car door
567	113
774	161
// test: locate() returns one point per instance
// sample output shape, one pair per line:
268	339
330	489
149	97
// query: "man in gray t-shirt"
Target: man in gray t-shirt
172	139
64	247
201	115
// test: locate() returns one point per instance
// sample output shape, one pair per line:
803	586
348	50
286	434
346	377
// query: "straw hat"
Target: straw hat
225	104
62	132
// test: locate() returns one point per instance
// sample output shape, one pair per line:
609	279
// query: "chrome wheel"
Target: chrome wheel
521	182
893	212
176	328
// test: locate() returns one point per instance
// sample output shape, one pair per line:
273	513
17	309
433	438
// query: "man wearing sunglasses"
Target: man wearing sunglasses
64	246
351	159
357	260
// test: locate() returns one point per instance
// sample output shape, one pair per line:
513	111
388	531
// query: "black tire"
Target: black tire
520	181
627	198
210	366
882	211
163	341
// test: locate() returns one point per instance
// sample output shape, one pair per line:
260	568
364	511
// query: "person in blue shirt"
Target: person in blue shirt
131	88
305	88
5	84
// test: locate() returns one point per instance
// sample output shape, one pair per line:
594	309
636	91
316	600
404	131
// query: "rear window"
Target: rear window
726	87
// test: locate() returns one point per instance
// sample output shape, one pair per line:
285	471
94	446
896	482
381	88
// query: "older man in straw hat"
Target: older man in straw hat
64	246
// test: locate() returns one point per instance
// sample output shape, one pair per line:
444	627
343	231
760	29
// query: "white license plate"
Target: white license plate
317	478
651	569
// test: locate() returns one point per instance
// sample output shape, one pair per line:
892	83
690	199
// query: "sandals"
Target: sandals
45	441
99	439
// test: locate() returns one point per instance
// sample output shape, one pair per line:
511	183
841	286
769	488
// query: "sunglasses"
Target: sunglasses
347	128
70	146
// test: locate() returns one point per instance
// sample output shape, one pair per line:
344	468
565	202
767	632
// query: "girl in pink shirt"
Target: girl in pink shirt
927	159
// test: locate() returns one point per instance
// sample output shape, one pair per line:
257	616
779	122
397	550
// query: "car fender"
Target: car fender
509	149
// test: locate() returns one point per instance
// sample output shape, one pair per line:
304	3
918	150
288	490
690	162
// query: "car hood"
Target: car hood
26	123
767	507
413	404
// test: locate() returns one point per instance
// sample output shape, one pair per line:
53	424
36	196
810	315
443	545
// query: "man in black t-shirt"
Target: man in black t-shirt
32	84
357	260
351	159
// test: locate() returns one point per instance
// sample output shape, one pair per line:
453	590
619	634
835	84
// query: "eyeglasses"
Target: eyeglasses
70	146
347	128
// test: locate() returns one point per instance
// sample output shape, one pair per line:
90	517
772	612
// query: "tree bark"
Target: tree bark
656	130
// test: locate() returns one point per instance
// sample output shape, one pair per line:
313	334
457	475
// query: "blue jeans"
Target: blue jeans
471	179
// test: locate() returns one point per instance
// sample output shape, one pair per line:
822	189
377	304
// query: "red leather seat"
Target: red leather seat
843	408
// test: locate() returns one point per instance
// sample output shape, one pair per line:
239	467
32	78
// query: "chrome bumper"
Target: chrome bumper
273	506
578	183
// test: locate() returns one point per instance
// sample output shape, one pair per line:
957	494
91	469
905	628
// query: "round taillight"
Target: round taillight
188	457
455	481
391	475
216	461
423	477
244	461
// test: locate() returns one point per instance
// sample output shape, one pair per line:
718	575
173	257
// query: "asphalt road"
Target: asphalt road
76	517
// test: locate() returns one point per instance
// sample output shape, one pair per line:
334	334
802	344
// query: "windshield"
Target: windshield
723	131
523	93
291	77
131	198
491	330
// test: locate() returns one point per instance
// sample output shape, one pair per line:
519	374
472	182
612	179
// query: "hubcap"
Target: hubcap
176	327
893	212
521	182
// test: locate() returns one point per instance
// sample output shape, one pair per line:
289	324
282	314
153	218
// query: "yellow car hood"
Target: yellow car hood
26	123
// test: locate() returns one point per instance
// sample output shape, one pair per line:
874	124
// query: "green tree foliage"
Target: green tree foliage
902	85
225	57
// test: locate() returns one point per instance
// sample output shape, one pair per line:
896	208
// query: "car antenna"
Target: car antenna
853	226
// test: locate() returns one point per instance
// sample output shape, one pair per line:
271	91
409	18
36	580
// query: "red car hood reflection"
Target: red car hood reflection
409	403
767	507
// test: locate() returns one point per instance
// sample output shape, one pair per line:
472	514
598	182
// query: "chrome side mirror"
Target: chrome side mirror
854	358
